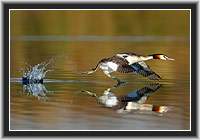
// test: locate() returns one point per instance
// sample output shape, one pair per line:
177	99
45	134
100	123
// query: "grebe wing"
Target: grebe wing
144	70
145	91
125	68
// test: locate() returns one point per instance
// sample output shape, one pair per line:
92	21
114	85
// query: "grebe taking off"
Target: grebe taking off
128	62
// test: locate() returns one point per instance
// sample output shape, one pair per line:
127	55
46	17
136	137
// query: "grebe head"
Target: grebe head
162	57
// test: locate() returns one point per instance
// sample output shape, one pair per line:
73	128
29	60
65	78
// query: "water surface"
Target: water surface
78	40
66	109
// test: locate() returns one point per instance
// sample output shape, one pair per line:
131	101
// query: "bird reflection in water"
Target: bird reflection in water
36	89
134	101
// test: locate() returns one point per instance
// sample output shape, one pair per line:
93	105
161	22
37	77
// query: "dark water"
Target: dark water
58	104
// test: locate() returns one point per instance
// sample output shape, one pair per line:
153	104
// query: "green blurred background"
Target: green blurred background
100	22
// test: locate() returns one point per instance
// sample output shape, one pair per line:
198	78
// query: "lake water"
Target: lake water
63	107
75	41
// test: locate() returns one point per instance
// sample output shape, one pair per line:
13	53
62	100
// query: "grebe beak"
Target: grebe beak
168	58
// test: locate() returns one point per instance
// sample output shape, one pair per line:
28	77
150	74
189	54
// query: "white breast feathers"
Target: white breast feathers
112	65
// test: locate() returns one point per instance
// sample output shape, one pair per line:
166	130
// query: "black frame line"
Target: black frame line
187	5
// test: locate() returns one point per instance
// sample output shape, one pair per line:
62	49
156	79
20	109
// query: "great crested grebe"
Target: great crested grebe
130	102
128	62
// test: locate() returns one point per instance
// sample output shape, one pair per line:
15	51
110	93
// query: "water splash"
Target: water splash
37	73
37	90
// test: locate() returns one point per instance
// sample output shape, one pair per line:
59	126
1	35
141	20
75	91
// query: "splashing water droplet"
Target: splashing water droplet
37	73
